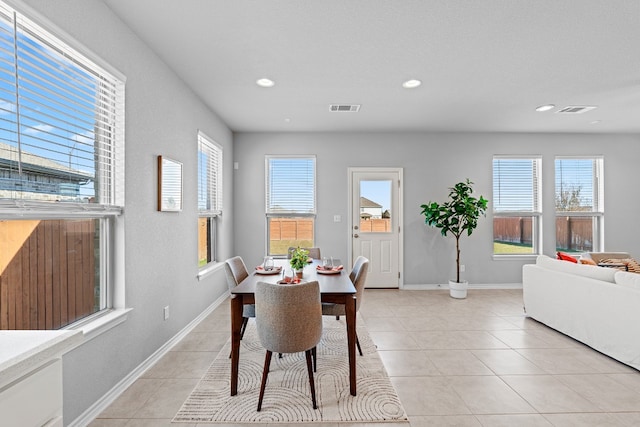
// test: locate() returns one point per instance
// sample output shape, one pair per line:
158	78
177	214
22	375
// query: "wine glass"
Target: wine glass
327	263
268	263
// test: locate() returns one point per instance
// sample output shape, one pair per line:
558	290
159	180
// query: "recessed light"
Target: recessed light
545	107
264	82
411	84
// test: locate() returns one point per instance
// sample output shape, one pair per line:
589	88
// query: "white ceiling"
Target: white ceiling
485	64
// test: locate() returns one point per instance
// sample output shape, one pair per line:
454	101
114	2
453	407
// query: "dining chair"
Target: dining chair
236	272
288	320
313	252
358	277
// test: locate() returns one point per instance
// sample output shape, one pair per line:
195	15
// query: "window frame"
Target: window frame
271	213
109	208
598	213
535	213
214	197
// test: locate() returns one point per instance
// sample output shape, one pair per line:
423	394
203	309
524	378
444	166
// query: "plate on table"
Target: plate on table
334	270
261	270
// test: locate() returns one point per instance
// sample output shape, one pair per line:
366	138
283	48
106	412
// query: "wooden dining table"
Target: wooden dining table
334	288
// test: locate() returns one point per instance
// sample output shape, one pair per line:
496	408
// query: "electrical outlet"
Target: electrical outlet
166	312
462	269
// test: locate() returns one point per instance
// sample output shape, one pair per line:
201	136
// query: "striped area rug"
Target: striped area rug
287	396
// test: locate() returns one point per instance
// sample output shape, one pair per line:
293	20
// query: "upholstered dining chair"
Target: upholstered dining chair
313	252
358	277
288	320
236	272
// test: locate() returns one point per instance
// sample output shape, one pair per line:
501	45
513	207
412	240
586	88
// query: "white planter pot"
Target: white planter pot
458	290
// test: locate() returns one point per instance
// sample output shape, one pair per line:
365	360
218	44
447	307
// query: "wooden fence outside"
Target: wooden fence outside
572	233
47	273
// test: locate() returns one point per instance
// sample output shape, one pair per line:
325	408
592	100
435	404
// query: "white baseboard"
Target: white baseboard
432	287
103	403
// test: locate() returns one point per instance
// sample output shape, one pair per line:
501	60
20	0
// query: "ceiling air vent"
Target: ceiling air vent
576	109
344	108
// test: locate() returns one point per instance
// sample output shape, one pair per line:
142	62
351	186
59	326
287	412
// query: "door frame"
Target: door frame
399	171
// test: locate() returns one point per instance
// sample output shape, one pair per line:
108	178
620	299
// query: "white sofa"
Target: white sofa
597	306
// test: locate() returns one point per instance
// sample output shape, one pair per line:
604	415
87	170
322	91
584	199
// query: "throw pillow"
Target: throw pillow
632	265
566	257
587	261
617	263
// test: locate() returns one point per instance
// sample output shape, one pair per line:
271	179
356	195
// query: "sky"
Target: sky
377	191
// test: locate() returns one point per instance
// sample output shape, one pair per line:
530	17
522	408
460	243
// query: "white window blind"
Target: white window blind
291	185
61	120
516	185
209	176
578	185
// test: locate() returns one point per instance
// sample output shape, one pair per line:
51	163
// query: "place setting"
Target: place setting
268	267
328	266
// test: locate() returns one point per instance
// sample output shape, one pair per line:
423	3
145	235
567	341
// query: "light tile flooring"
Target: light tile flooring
469	363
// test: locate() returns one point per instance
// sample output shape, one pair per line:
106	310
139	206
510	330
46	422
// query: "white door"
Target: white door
375	223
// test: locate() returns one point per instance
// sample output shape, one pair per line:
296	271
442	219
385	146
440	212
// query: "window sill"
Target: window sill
101	324
209	270
525	257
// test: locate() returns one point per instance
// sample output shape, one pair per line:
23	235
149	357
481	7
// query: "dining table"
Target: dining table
335	287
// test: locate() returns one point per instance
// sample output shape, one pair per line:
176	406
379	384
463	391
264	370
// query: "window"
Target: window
516	205
290	202
209	197
579	207
61	178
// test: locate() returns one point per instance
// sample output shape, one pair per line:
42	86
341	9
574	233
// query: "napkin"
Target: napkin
262	268
340	267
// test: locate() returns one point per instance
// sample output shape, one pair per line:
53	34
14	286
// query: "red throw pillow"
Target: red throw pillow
565	257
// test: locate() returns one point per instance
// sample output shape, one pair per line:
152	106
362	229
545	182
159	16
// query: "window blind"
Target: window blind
291	185
577	186
516	185
61	120
209	176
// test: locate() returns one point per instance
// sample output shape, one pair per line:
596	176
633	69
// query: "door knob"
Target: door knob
356	236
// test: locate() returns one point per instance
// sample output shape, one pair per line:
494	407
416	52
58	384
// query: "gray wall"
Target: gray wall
432	163
162	117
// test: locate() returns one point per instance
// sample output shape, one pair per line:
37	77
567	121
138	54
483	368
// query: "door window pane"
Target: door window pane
375	206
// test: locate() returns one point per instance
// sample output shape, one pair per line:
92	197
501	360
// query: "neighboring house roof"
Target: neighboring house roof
366	203
37	164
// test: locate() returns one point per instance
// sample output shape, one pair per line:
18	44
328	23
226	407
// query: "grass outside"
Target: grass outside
280	247
511	248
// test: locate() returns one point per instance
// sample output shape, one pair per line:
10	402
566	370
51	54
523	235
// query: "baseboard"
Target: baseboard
103	403
432	287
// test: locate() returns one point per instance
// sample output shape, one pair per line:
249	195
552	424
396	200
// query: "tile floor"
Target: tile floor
468	363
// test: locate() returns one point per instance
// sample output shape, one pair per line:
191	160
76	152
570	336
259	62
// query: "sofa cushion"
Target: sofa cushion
625	278
606	274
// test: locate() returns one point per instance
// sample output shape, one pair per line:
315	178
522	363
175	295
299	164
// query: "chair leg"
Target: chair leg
265	373
358	344
243	328
312	384
337	317
314	355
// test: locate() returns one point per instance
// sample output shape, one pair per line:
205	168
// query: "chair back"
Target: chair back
359	277
357	265
288	317
313	252
236	271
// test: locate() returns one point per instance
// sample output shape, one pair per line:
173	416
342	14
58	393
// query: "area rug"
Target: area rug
287	396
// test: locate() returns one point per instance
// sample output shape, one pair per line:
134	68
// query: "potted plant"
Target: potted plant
299	259
457	216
